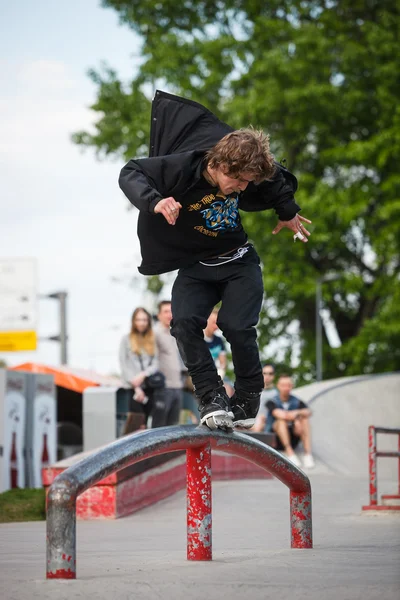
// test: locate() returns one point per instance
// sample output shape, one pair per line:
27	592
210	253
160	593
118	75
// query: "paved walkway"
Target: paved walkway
355	556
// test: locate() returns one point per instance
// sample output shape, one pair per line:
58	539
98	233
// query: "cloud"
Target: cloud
46	74
42	104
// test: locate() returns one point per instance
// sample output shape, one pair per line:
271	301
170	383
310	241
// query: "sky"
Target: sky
58	204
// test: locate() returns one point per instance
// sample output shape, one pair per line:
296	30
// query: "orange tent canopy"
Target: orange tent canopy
76	380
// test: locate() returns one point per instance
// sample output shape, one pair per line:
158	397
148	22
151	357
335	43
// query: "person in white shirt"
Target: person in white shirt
171	366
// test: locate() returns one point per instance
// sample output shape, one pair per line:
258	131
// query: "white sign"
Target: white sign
18	294
18	303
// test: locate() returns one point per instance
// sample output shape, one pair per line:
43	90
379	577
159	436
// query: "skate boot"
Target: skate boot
245	408
215	411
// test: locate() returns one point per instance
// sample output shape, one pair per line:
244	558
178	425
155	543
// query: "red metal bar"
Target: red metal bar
399	465
387	430
199	519
373	488
388	454
300	519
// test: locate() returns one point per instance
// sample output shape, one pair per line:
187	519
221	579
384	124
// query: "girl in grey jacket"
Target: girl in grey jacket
138	359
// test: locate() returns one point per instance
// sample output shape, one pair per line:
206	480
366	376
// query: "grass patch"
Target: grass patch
23	505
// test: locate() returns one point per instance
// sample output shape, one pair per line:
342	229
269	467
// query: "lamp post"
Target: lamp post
318	329
318	322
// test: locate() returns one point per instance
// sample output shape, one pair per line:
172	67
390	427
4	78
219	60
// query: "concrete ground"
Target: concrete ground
355	555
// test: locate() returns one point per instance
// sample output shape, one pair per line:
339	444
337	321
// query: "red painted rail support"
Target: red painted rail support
197	441
373	455
199	517
373	487
398	492
300	514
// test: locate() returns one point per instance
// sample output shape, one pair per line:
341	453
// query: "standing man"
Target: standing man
189	192
269	392
167	408
216	346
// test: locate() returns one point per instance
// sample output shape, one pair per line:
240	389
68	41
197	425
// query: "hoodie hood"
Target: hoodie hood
180	125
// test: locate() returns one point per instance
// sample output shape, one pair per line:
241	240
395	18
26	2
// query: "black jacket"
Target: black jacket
181	132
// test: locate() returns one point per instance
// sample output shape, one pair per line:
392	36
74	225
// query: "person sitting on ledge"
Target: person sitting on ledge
289	418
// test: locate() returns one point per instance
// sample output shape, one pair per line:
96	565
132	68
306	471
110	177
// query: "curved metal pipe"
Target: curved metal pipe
62	494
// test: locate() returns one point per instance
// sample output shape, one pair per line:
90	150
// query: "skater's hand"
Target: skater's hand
295	225
169	208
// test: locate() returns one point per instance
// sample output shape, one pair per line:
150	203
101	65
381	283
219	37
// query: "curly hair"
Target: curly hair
243	151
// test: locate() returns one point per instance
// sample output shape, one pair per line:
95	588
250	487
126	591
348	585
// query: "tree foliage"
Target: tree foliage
321	76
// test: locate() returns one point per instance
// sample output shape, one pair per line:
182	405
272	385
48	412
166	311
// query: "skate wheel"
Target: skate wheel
211	424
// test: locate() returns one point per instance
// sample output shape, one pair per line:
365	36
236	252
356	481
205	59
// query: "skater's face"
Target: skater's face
165	315
228	184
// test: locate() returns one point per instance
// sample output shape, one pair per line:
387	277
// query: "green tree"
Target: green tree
322	78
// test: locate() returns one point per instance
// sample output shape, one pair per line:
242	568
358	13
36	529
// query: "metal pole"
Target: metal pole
199	518
373	484
300	519
318	329
63	327
61	531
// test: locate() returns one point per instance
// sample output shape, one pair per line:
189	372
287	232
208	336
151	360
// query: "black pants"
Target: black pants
197	289
167	404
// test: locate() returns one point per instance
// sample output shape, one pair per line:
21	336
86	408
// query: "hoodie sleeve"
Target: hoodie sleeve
141	185
146	181
277	193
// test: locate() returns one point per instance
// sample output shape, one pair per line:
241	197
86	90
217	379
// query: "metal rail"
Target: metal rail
198	442
373	454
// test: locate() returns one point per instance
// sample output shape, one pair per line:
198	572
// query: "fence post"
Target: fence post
373	489
199	518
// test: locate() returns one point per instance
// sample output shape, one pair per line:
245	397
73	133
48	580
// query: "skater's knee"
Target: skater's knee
238	335
188	326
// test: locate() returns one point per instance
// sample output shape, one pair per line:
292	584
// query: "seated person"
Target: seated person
288	417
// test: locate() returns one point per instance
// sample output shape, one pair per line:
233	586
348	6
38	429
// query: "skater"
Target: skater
189	191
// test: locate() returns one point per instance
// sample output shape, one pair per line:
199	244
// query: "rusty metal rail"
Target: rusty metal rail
373	454
198	442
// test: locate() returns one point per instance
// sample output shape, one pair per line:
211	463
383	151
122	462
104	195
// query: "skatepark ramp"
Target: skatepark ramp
198	442
343	409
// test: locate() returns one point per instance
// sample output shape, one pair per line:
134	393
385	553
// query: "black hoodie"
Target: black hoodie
209	223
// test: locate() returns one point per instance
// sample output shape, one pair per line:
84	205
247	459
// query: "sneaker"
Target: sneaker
245	408
215	411
294	459
308	461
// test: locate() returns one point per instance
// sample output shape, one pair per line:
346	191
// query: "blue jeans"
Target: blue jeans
197	289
